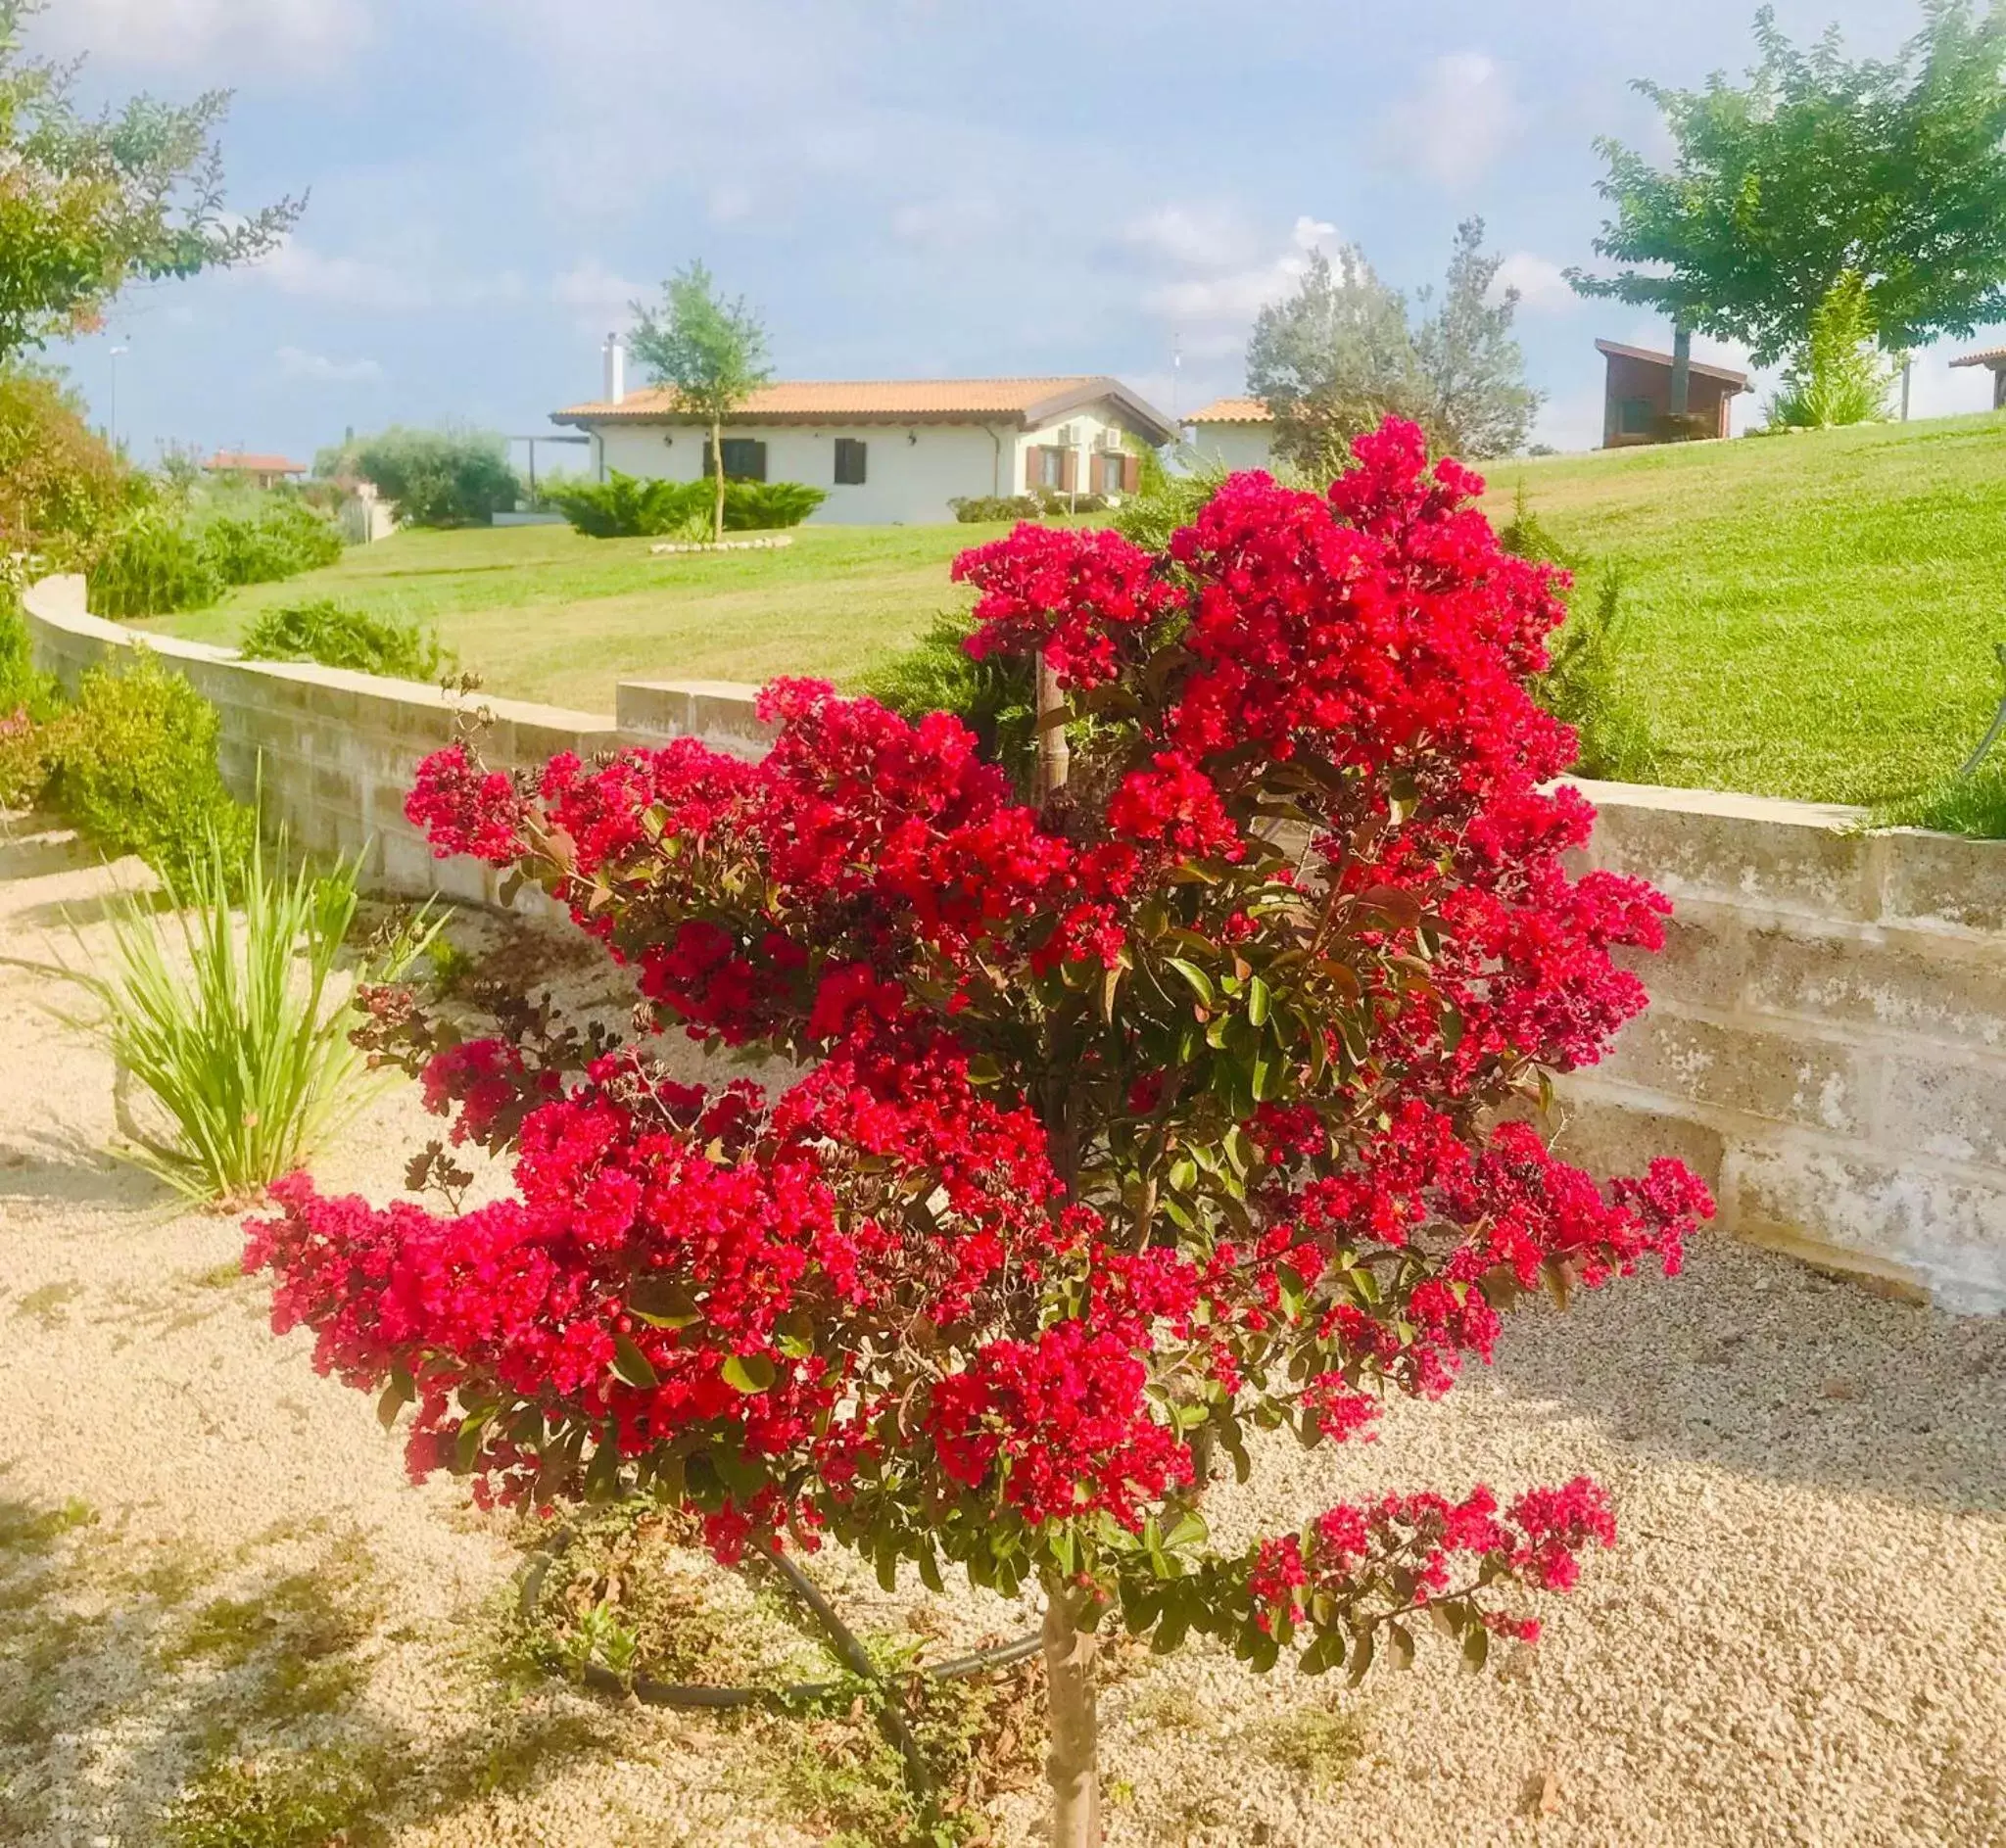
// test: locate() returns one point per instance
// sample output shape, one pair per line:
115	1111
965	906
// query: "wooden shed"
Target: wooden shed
1995	359
1636	398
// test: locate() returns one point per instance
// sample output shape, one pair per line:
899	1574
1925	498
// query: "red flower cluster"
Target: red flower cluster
1157	1111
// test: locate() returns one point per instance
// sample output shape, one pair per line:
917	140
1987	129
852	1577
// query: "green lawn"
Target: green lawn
543	613
1808	615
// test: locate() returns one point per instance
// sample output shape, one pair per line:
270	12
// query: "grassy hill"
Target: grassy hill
1810	615
543	613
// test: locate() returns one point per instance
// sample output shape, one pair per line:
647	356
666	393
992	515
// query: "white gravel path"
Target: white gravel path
1801	1639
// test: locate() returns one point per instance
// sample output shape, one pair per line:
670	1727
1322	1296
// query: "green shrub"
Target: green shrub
61	485
438	477
1837	377
278	538
623	506
1149	518
1962	805
136	769
991	697
763	506
224	1011
336	636
154	564
1045	504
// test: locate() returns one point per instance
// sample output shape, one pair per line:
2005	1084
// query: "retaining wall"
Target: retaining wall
1827	1037
335	752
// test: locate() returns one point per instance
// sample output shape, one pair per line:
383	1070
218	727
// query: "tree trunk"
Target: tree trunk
1071	1767
717	470
1681	393
1055	758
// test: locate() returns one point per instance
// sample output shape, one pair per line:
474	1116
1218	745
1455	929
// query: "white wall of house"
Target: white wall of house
910	471
1234	446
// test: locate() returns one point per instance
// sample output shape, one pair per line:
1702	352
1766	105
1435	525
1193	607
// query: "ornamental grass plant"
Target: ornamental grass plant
227	1008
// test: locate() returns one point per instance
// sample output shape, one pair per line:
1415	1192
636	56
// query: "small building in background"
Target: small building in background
263	471
1995	359
1636	398
887	451
1232	433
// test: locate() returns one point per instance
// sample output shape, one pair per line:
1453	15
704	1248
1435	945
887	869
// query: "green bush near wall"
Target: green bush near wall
623	506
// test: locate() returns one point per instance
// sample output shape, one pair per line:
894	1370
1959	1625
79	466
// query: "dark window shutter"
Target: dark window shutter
1069	470
1131	473
709	465
1033	457
758	470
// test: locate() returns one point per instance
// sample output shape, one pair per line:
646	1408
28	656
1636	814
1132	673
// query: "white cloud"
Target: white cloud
295	362
299	270
292	36
1197	237
1541	283
1459	121
945	225
1233	298
601	298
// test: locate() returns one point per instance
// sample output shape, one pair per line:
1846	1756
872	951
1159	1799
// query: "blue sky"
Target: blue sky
904	187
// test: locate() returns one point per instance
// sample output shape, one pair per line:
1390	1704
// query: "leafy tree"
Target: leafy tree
438	477
1817	168
1840	377
1184	1104
1332	361
89	204
1340	353
1476	400
710	352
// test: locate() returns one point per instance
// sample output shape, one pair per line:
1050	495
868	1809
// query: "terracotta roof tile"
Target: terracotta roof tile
888	401
1991	355
1232	410
242	461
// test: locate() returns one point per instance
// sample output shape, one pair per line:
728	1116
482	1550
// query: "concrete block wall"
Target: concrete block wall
333	753
1827	1037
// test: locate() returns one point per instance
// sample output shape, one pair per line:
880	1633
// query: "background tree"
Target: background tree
1476	402
434	477
1340	353
1816	169
710	352
91	204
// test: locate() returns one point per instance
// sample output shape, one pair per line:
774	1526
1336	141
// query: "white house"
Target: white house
1233	432
889	452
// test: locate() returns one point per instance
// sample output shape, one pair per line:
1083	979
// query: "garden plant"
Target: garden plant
1182	1099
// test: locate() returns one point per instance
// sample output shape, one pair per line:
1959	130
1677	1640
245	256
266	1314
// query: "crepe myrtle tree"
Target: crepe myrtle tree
1179	1105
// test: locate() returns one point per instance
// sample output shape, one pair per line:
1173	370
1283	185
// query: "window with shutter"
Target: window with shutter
744	459
850	462
1132	474
1069	470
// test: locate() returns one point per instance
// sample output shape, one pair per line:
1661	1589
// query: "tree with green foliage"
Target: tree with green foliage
1819	169
1341	355
89	204
709	351
438	477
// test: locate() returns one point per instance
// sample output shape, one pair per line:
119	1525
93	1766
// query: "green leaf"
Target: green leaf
1477	1647
750	1372
1401	1642
631	1366
1362	1656
1256	1001
395	1396
662	1304
1200	981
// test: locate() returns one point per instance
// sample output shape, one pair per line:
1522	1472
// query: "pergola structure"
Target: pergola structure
1995	359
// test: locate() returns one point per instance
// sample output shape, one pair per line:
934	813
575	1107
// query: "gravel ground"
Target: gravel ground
1800	1637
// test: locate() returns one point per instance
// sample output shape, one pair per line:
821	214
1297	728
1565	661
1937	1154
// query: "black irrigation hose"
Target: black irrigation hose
692	1695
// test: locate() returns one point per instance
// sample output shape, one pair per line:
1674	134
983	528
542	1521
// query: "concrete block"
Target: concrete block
723	714
1899	1219
1748	851
1946	881
1898	983
1703	962
1770	1074
462	879
1952	1110
1612	1135
406	865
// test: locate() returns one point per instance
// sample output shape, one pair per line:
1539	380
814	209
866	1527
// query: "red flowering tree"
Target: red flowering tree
1178	1104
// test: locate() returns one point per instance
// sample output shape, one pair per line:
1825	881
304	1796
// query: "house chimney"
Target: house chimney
616	371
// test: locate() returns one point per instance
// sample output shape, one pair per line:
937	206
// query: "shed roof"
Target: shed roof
1994	356
1025	402
1726	375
